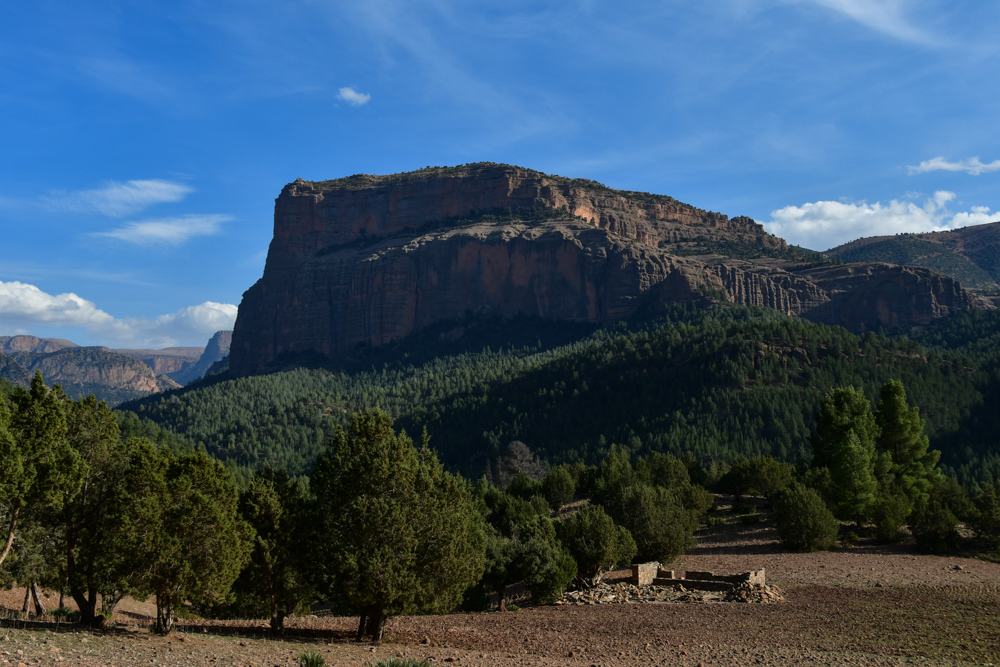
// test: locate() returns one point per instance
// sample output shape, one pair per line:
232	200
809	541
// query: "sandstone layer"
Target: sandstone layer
366	260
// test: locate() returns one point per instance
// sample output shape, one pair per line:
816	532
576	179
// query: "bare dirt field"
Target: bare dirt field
865	605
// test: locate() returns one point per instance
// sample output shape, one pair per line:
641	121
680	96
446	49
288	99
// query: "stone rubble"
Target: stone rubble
625	592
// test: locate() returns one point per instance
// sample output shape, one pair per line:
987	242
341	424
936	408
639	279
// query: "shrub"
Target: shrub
934	527
892	507
761	476
312	659
713	521
658	521
595	542
985	520
521	547
524	487
558	487
749	519
803	520
934	523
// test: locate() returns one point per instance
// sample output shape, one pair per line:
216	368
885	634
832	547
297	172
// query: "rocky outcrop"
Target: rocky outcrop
110	376
366	260
32	344
217	349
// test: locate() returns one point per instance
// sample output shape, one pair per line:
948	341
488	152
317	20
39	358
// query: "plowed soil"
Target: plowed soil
864	605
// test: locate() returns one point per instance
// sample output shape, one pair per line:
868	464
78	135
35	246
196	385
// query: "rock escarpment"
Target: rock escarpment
369	259
217	348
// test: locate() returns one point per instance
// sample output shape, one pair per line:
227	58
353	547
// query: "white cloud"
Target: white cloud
168	231
118	199
885	16
352	96
971	166
23	306
21	303
826	224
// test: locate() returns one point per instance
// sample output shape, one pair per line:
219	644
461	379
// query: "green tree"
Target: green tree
274	582
843	409
522	548
934	524
985	520
38	466
803	520
738	481
892	508
844	443
400	535
87	523
201	543
852	472
558	487
524	487
595	542
901	435
133	520
662	527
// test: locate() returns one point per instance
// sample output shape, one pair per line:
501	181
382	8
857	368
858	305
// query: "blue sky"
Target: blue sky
142	144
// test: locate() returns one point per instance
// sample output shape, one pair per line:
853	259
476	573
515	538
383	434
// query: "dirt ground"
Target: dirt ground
864	605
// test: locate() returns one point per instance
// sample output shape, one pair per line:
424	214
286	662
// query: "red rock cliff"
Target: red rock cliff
370	259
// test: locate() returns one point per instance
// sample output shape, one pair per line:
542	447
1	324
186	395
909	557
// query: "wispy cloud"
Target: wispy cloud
168	231
885	16
128	77
23	306
971	166
353	97
118	199
826	224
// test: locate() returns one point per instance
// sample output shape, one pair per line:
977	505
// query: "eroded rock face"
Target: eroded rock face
370	259
217	348
110	376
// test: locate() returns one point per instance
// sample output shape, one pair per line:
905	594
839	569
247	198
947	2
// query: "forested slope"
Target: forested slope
718	384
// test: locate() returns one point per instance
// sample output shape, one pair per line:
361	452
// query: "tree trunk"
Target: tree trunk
86	604
10	534
278	622
109	601
376	625
27	600
37	599
362	624
164	613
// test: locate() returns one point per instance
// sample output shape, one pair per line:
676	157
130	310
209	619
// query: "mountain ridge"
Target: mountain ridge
968	254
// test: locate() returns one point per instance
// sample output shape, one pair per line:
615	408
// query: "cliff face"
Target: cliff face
370	259
217	348
110	376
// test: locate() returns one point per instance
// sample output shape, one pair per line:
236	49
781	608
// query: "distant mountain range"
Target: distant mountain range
970	255
111	375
